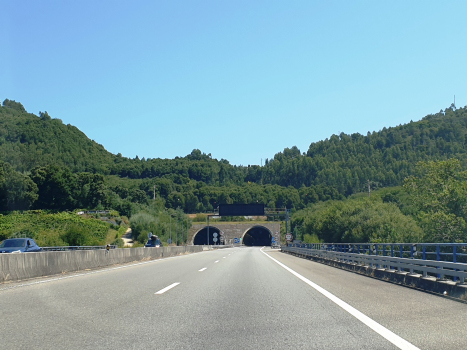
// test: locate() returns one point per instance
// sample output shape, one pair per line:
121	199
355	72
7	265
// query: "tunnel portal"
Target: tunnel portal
201	236
257	236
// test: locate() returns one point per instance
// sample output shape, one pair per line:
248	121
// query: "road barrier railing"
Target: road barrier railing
453	252
440	270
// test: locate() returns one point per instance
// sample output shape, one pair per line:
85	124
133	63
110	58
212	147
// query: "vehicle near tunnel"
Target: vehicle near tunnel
153	241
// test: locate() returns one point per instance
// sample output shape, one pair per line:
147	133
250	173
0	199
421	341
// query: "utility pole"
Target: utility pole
154	198
369	188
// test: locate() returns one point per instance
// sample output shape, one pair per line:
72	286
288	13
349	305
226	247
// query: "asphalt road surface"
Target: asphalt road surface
235	298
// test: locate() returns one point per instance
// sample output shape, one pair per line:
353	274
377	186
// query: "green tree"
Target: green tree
14	105
17	191
440	195
356	220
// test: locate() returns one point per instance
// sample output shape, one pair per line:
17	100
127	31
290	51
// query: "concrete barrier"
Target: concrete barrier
15	267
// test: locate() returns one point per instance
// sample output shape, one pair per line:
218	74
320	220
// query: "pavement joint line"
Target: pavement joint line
375	326
163	290
88	273
201	270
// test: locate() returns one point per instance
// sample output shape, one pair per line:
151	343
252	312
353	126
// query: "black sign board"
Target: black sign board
241	209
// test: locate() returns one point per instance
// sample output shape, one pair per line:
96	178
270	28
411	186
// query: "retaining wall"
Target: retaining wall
21	266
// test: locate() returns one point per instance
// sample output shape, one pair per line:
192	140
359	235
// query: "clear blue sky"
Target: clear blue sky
241	80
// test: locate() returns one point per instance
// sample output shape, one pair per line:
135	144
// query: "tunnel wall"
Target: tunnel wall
231	231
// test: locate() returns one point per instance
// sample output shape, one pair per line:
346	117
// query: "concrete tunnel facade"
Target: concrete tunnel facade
254	233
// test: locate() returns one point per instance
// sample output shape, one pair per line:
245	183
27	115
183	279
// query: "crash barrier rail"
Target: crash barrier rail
452	252
427	268
76	247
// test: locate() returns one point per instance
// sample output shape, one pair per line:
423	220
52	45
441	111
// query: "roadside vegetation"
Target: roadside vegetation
430	207
62	228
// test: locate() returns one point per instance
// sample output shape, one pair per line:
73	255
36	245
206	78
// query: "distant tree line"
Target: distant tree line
58	188
342	163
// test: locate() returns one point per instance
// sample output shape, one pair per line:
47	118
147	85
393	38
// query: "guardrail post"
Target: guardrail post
454	259
438	258
376	253
424	252
401	254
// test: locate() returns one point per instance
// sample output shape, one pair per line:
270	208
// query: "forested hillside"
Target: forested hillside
27	140
45	164
385	158
54	164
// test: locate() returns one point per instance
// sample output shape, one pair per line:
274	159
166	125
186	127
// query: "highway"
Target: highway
235	298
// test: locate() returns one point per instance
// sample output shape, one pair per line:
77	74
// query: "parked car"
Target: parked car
19	245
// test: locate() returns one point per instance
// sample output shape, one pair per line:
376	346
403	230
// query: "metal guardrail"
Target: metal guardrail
425	268
453	252
75	247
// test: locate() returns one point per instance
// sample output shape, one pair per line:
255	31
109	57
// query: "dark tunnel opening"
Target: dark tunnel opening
257	236
201	237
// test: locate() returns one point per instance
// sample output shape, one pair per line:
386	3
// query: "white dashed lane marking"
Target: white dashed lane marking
162	291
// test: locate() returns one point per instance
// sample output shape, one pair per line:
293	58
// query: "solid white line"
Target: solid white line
162	291
204	268
383	331
216	261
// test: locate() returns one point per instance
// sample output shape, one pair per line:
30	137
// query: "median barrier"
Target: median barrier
15	267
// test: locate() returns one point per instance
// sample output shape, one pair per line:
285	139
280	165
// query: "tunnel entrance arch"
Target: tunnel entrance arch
257	236
200	237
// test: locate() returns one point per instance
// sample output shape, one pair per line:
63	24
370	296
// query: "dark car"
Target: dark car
19	245
153	241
